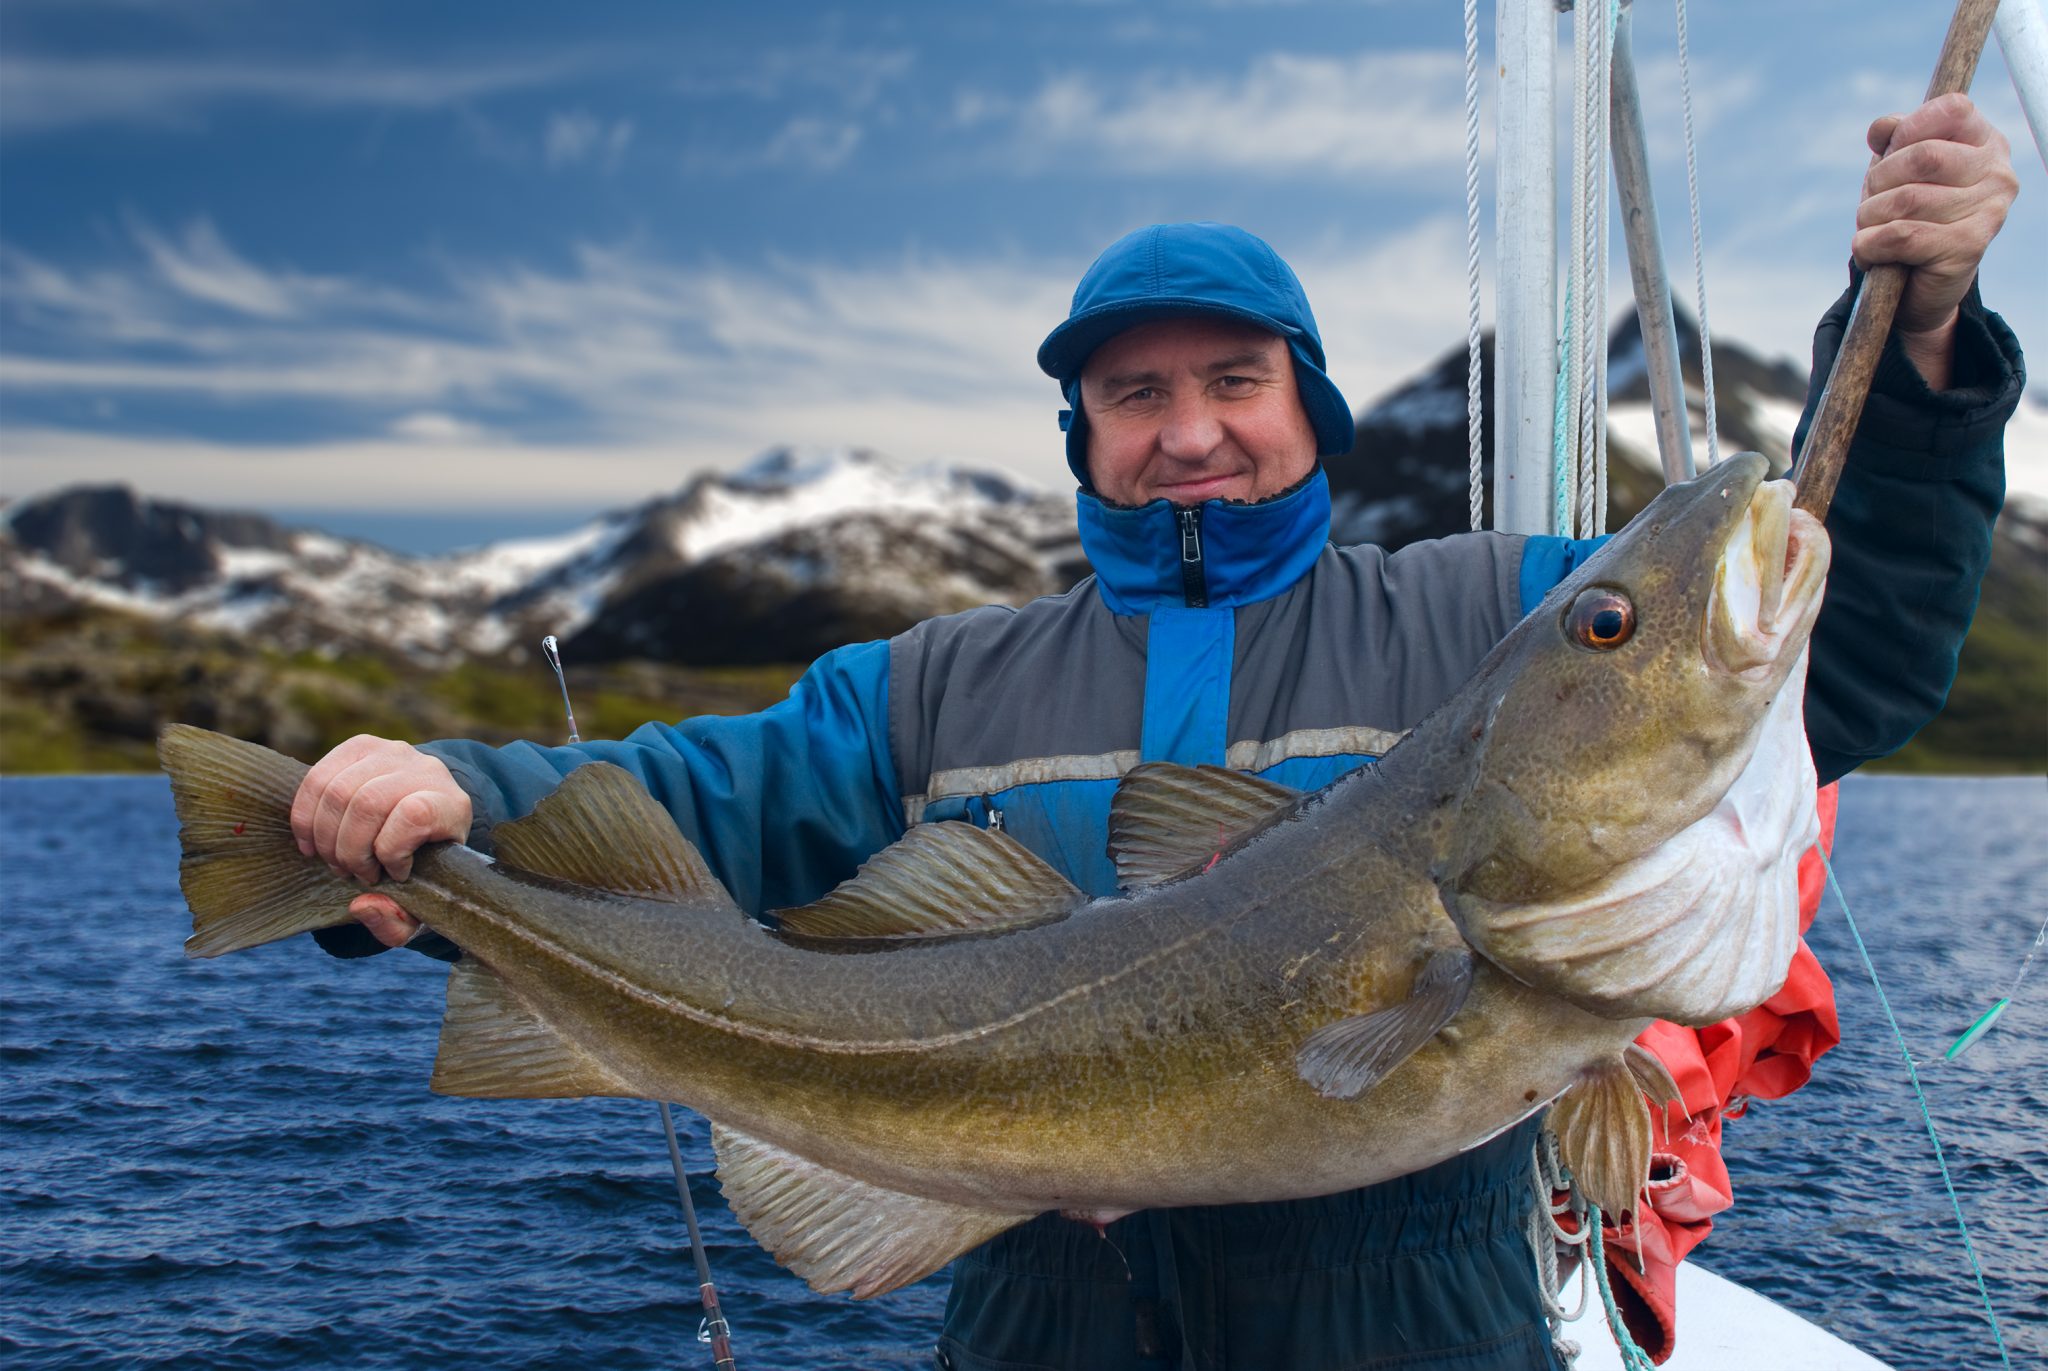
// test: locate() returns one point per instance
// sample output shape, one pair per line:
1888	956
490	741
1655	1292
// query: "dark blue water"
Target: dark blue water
237	1163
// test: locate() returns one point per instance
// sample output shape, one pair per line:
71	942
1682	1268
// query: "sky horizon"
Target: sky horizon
378	261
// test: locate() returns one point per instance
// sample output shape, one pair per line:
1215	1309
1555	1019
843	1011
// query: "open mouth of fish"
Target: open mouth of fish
1767	585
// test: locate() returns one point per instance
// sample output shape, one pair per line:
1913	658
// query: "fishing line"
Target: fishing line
1926	1114
1990	1016
712	1328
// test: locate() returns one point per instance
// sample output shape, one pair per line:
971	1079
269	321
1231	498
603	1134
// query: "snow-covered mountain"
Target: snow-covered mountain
799	552
777	561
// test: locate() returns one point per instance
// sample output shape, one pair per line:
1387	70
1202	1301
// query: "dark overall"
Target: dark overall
1431	1272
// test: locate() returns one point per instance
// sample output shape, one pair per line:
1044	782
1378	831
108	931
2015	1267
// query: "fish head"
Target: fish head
1638	738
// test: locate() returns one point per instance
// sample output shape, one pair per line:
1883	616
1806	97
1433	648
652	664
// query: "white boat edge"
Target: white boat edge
1723	1326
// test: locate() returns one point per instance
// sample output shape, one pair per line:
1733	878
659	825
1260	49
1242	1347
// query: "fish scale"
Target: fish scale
1299	994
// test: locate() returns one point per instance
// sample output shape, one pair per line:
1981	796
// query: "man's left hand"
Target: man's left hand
1936	194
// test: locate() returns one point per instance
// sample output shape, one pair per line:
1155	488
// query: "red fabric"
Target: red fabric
1765	1054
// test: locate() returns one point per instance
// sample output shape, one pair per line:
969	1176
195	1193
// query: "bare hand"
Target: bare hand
366	808
1937	192
387	921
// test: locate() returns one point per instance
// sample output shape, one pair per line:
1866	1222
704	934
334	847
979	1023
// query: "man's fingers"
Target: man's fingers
419	818
1935	162
333	806
1952	249
316	781
363	823
1880	135
1953	118
1927	204
387	921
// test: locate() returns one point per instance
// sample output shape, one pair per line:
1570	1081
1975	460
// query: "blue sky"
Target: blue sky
510	263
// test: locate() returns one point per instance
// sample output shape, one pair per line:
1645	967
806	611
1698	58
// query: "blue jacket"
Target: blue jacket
1236	635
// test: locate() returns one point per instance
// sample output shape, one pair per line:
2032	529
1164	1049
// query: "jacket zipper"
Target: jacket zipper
1194	582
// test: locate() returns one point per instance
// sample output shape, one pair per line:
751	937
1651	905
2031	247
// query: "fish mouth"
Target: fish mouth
1767	585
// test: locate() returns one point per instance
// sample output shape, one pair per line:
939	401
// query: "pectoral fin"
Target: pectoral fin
1345	1059
840	1233
492	1047
600	828
941	878
1171	821
1603	1135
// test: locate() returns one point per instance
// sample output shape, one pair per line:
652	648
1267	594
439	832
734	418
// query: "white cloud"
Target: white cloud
695	365
205	268
42	93
1372	113
820	144
430	426
579	136
858	76
397	474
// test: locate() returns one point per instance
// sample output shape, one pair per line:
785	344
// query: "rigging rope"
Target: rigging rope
1548	1180
1581	396
1699	266
1475	424
1926	1114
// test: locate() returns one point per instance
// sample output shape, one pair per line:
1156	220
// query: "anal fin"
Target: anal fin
1345	1059
840	1233
1168	821
939	879
492	1047
1603	1135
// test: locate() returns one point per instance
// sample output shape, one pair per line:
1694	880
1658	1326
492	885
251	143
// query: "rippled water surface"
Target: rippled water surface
237	1163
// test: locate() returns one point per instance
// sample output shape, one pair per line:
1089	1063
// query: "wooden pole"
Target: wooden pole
1870	322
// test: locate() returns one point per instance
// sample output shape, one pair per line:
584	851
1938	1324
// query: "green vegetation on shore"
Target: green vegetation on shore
90	693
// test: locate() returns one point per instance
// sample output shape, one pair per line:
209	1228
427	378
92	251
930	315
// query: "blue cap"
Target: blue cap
1170	270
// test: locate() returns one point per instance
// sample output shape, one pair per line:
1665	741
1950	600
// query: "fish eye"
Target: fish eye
1601	619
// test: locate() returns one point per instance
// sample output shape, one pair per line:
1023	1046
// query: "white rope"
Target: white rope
1475	426
1546	1178
1699	266
1575	282
1593	41
1604	237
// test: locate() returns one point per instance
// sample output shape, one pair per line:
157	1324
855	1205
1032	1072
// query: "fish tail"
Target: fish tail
242	872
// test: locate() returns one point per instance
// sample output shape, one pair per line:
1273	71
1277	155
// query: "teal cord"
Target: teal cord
1633	1358
1926	1114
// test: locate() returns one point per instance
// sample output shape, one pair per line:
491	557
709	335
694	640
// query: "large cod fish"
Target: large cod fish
1298	994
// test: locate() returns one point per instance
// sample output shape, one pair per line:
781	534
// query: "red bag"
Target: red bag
1765	1054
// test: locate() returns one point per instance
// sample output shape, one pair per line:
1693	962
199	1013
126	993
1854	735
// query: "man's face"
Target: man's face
1194	409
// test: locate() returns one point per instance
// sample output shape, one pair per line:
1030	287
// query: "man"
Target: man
1221	627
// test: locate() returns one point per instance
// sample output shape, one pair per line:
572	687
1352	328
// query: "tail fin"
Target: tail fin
242	873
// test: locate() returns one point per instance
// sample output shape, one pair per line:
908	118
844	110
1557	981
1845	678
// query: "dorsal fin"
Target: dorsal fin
492	1047
840	1233
939	878
1170	821
601	829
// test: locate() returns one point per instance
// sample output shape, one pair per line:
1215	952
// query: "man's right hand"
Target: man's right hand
365	808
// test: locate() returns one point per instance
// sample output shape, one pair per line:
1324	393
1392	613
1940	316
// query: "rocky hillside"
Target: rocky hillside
118	613
778	561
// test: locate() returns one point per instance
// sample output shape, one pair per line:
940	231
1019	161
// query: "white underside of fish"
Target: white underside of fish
1702	927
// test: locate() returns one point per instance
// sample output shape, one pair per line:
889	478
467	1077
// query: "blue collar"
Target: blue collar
1219	554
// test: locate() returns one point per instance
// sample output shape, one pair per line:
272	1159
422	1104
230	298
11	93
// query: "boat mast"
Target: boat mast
1525	496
